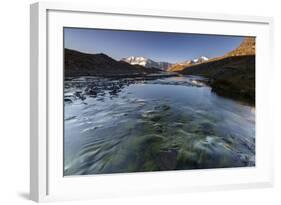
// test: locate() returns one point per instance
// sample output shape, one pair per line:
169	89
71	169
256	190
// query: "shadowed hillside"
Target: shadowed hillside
231	75
82	64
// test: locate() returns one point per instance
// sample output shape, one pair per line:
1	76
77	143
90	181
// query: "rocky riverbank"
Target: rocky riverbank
232	77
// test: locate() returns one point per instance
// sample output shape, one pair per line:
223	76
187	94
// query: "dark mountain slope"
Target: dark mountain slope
83	64
232	75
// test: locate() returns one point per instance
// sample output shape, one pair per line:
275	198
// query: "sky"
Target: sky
158	46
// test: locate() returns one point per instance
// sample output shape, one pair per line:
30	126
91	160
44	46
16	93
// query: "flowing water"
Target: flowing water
137	125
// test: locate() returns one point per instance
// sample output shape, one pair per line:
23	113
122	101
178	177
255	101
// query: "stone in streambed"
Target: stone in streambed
167	160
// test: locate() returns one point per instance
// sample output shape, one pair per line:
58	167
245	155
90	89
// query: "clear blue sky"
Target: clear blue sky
158	46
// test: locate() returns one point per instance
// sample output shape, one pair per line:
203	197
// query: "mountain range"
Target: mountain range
232	74
180	66
165	66
146	62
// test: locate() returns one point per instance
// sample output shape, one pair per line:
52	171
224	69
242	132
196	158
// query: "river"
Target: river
138	125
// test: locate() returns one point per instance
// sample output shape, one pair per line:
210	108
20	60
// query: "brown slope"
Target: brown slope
247	47
177	67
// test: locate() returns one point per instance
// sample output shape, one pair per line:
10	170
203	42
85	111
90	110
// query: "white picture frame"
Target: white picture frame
46	180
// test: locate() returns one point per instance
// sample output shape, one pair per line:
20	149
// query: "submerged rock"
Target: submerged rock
167	160
141	130
67	100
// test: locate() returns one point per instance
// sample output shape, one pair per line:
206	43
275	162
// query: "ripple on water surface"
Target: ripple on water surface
129	125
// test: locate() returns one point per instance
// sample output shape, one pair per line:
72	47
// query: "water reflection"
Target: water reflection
130	125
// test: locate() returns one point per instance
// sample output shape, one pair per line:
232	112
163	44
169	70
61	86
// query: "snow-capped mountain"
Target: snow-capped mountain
185	62
146	62
180	66
201	59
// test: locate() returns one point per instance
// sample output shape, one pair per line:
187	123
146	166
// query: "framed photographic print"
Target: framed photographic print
127	102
